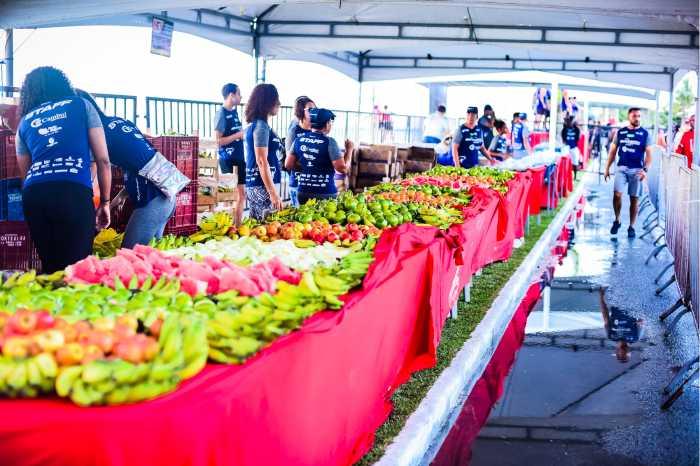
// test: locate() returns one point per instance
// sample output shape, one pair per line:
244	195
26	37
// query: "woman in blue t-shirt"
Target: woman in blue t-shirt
300	124
153	200
262	150
57	133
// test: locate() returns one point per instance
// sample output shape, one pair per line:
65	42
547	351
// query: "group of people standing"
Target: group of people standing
317	166
487	136
64	141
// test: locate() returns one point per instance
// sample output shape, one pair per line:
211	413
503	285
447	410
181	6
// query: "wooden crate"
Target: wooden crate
402	153
369	181
378	153
421	153
413	166
227	196
375	168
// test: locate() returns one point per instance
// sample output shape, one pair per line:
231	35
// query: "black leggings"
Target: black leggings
61	218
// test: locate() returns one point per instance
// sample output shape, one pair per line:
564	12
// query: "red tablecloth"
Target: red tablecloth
538	138
535	196
315	396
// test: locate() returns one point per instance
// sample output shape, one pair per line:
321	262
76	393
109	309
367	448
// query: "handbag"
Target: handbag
164	175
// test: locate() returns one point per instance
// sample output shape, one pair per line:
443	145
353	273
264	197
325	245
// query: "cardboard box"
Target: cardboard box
208	163
205	200
227	196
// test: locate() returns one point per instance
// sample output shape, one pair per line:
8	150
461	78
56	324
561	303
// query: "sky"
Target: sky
111	59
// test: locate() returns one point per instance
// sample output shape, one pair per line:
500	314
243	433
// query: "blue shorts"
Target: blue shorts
431	140
629	177
227	164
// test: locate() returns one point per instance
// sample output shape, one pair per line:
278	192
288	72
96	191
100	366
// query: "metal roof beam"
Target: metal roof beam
486	33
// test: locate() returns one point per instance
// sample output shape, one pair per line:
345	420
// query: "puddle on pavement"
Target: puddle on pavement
572	381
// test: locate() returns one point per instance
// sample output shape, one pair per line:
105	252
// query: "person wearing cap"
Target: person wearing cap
262	150
570	135
634	146
499	148
317	158
468	141
486	124
520	136
436	127
299	125
229	138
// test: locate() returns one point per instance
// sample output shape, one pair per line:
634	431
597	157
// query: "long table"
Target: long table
315	396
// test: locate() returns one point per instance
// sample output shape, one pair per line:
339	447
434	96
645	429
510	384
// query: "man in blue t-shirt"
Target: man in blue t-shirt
520	135
229	137
634	147
468	142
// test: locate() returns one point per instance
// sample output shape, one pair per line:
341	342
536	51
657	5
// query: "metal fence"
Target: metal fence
120	105
676	197
166	115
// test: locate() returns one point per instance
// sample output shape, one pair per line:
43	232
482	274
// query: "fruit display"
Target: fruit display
296	254
108	361
487	177
213	226
135	267
107	242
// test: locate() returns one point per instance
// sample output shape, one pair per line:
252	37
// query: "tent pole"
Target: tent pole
9	59
359	114
554	107
669	123
656	117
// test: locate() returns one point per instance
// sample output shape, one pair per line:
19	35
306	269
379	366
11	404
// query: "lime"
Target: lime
354	218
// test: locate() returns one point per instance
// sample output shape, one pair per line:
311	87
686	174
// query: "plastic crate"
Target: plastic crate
182	151
185	215
181	231
11	200
8	157
16	249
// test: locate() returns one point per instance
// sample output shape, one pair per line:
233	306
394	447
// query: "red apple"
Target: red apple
344	235
128	320
105	324
122	332
16	347
154	328
336	228
352	227
44	320
103	340
70	354
129	350
332	237
92	352
23	322
150	348
50	340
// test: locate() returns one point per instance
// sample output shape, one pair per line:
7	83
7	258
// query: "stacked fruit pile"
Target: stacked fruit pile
106	361
463	178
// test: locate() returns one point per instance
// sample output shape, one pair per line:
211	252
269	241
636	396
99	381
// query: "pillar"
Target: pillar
554	115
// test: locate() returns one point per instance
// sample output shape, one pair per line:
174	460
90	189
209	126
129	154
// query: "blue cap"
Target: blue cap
320	116
523	116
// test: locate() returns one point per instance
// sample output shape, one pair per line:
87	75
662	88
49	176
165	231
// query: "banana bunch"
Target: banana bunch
182	354
212	227
17	280
170	242
353	267
27	377
442	218
107	242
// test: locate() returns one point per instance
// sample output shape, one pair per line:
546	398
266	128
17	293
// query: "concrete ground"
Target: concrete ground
568	399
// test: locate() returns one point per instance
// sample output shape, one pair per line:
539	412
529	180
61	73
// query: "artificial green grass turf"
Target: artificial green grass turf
484	290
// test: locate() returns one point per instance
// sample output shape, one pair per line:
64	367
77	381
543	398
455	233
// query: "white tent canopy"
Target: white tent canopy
640	43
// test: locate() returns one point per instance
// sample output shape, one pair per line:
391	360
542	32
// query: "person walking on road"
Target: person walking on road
437	126
634	146
570	136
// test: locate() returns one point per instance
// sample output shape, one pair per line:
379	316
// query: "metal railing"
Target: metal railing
120	105
676	199
194	117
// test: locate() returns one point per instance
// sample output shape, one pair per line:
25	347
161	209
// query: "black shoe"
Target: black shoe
616	226
631	233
